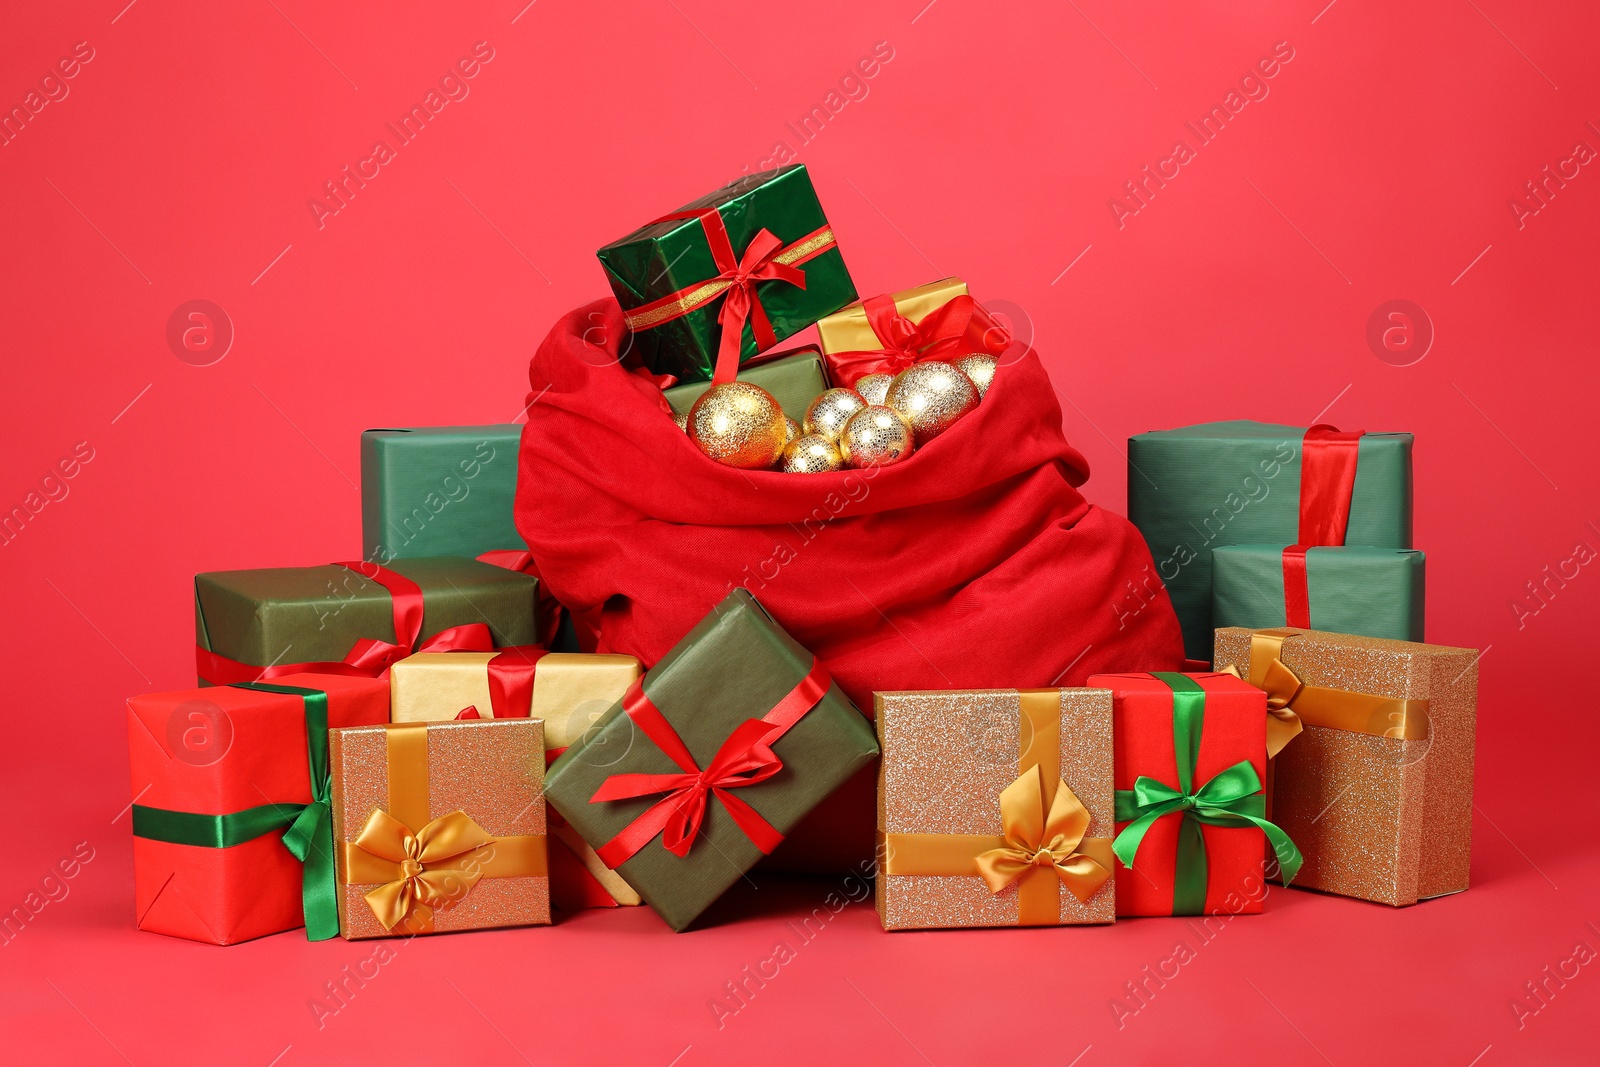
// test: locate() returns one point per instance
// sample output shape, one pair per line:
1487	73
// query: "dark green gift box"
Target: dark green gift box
794	381
1369	592
735	665
663	258
438	491
283	615
1195	488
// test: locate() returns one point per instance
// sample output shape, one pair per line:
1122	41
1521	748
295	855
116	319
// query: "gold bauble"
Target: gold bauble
811	453
979	369
931	396
875	436
829	412
682	419
738	424
874	387
791	430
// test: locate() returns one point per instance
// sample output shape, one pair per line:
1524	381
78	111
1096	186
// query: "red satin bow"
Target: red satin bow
956	328
1327	482
745	758
368	657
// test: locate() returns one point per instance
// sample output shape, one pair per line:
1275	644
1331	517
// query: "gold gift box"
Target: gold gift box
439	827
950	762
847	329
1376	789
571	690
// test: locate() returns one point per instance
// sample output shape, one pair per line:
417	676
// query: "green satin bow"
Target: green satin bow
309	833
1231	798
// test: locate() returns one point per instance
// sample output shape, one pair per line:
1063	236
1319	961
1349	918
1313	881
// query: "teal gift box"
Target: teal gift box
1354	589
438	491
1196	488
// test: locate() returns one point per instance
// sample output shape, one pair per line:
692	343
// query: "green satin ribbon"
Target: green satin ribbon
309	833
1231	798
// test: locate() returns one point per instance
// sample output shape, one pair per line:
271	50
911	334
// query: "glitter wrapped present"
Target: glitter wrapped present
231	831
1376	789
569	691
995	808
439	826
710	759
1191	752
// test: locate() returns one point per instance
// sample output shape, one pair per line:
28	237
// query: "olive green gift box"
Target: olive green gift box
793	380
1354	589
666	257
438	491
735	665
281	615
1195	488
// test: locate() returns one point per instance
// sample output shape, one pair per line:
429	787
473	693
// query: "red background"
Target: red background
1380	166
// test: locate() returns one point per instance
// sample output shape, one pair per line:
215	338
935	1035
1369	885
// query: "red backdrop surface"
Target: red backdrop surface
1387	157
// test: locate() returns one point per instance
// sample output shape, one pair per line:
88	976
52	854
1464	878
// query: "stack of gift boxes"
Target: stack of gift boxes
411	742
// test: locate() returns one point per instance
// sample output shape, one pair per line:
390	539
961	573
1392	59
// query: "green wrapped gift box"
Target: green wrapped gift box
1196	488
737	665
793	380
438	491
1354	589
278	616
667	274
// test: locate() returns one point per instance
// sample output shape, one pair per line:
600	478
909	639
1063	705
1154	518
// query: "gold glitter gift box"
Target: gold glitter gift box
439	826
995	808
1376	788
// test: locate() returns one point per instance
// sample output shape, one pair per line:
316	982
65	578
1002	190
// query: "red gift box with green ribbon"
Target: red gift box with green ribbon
232	831
1190	758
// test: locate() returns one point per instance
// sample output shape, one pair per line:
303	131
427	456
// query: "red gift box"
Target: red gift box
1234	730
218	751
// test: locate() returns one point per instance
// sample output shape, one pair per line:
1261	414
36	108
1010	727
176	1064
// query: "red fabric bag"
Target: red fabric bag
973	564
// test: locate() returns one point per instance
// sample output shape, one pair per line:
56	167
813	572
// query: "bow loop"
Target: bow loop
1035	837
429	868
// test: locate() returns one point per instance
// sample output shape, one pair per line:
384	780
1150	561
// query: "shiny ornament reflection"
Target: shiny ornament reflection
979	369
738	424
829	412
931	396
874	387
811	453
875	436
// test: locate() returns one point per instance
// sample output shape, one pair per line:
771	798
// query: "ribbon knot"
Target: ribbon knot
1041	833
956	328
434	867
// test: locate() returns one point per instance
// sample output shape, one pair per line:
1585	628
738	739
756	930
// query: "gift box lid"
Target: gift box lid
735	665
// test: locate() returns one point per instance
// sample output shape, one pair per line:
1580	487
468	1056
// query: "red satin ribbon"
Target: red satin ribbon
745	758
1327	481
956	328
369	657
547	616
742	304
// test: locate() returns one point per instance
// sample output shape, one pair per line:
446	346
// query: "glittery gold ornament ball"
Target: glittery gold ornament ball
931	396
979	369
791	431
682	419
829	412
738	424
811	453
873	387
875	436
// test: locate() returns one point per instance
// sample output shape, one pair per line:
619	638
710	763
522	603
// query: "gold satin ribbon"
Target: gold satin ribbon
1042	847
437	865
1292	704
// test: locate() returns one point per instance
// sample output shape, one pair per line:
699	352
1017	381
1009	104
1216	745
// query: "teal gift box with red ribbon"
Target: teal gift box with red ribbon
1190	757
232	833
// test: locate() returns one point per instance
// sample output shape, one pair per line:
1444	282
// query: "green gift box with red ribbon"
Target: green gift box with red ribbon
727	276
356	618
710	760
1196	488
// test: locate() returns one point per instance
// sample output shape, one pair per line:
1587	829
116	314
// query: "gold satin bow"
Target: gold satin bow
1039	839
431	868
1283	725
